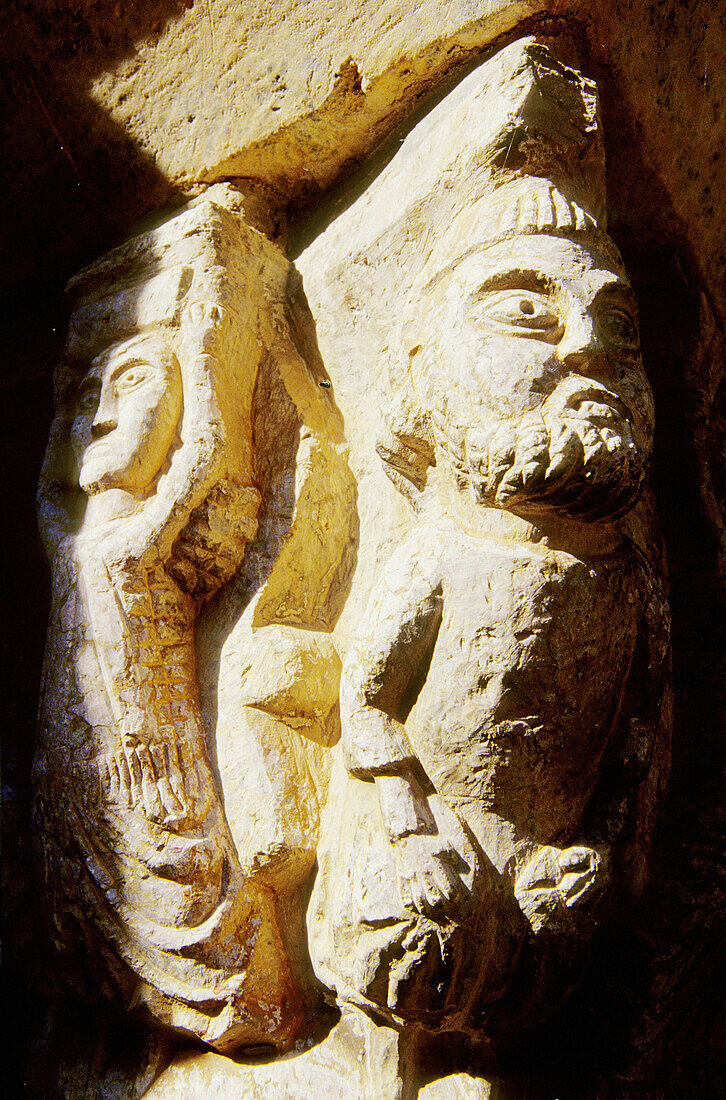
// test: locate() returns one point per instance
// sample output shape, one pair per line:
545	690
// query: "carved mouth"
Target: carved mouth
596	405
94	445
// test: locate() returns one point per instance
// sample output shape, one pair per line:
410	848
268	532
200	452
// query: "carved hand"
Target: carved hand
555	880
426	860
427	877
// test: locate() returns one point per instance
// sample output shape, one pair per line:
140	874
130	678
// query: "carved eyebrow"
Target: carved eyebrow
518	280
90	380
618	289
121	360
87	385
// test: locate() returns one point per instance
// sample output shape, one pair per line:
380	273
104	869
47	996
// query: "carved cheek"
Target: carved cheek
466	371
638	396
148	422
516	366
80	436
80	432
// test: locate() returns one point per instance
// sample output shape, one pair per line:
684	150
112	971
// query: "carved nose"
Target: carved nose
102	425
100	428
106	418
580	344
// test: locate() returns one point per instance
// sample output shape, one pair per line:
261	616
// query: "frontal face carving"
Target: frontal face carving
126	415
533	374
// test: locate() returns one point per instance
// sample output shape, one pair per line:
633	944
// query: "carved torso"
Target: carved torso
525	678
501	674
138	862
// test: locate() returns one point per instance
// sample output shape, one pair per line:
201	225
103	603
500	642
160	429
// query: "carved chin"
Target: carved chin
588	468
105	469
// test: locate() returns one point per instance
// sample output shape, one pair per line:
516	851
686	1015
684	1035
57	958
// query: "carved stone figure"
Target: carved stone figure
147	502
502	697
503	694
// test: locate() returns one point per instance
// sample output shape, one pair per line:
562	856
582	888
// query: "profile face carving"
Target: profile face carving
532	371
126	415
154	400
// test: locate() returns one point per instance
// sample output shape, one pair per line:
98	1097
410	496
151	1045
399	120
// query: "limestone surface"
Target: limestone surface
489	708
498	683
356	712
147	504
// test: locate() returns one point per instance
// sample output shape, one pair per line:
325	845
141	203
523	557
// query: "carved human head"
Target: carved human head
154	345
515	364
127	413
157	379
524	362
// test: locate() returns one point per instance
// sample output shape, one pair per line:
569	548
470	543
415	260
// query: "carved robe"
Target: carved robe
146	897
510	677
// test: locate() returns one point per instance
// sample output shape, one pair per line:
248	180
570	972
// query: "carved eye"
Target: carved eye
88	399
523	309
130	378
617	326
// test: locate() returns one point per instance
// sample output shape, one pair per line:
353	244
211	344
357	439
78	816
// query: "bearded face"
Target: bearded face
577	453
533	374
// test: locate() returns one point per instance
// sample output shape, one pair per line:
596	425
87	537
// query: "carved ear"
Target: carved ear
407	448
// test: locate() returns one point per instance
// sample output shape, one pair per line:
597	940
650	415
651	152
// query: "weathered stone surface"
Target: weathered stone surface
268	646
356	1059
489	694
457	1086
147	503
116	113
500	680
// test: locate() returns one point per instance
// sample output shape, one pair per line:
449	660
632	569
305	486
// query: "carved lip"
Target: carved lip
596	403
96	443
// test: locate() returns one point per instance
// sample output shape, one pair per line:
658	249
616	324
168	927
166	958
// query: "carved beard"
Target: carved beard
576	454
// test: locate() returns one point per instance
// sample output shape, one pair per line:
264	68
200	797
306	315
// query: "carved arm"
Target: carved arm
381	678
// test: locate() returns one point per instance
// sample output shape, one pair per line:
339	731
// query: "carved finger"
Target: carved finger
510	484
433	900
189	772
564	454
152	802
560	464
436	902
453	891
113	786
577	858
173	808
158	759
533	444
418	897
124	773
404	889
577	888
532	472
443	877
205	791
134	767
174	772
498	466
